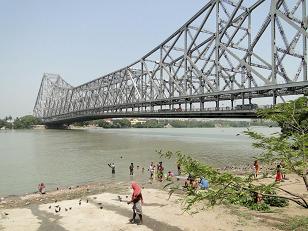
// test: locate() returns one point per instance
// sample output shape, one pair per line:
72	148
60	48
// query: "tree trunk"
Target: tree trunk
305	180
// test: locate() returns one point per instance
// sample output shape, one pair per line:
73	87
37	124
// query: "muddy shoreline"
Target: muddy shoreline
70	193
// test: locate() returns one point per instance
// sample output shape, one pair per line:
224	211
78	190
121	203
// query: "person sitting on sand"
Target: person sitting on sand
137	199
191	182
170	175
41	188
204	184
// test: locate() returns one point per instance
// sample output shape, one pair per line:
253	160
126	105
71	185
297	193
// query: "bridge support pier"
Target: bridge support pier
201	103
56	126
274	97
217	102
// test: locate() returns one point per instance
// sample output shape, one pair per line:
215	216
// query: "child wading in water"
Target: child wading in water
138	201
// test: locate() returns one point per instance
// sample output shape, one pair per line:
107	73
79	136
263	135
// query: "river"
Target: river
70	157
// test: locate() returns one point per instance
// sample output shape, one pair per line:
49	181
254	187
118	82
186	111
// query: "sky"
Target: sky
79	39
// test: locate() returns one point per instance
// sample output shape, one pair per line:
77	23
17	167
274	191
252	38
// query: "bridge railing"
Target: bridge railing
98	112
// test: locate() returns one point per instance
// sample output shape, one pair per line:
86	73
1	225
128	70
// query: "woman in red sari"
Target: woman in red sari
278	177
138	201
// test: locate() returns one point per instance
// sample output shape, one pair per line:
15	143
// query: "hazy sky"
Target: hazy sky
78	39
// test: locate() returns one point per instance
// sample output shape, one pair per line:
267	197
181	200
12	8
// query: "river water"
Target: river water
70	157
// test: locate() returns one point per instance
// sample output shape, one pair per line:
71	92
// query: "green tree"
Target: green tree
104	124
26	122
291	145
225	187
122	123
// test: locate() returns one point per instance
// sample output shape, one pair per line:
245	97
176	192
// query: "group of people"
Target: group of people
280	173
196	183
158	171
131	168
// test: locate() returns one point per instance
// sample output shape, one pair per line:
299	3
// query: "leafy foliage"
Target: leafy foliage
26	122
298	223
291	145
224	186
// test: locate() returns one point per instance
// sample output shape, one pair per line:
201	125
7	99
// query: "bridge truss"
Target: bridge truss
230	50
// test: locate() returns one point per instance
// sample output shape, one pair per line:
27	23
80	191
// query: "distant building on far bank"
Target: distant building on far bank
168	126
135	121
38	127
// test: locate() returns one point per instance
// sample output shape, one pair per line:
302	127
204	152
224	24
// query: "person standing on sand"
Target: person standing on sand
137	199
131	169
257	168
179	168
112	166
282	169
278	177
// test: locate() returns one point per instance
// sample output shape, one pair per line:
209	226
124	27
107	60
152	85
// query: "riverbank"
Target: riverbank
97	207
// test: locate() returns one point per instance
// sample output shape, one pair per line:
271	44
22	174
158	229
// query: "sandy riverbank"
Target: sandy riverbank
104	211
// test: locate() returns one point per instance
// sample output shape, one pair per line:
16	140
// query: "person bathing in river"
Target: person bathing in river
112	166
137	201
131	169
151	170
160	171
42	188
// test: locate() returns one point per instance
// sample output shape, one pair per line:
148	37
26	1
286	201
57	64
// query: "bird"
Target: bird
58	209
237	134
87	201
66	209
101	207
79	202
70	208
120	199
57	206
5	213
49	207
56	201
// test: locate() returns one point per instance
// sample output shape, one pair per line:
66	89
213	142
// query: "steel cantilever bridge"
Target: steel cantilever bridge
230	51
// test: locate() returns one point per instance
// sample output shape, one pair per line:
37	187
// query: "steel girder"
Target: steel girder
228	50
